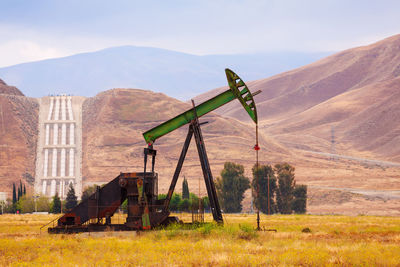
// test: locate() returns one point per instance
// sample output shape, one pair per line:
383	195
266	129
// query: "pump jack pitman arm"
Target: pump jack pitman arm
237	89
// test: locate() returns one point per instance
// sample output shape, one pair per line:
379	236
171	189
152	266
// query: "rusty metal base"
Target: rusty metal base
88	228
73	229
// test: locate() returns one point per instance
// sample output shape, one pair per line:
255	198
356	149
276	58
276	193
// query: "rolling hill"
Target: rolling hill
352	95
355	91
18	136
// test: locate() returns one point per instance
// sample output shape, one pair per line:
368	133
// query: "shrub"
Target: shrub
247	232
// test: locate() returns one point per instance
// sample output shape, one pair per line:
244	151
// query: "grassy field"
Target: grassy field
333	240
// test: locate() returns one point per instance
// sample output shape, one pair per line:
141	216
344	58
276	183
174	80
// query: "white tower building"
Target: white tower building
59	150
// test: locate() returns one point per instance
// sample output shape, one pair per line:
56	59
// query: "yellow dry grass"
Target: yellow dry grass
333	240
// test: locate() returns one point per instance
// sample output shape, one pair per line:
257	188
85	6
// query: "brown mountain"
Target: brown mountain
18	137
355	91
9	90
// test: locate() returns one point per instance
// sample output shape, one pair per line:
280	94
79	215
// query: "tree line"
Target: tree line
187	201
285	196
24	203
274	189
184	202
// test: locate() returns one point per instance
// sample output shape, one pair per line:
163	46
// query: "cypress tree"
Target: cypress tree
24	190
19	193
56	205
14	200
185	189
71	199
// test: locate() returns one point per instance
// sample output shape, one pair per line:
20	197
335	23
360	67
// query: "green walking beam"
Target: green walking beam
237	89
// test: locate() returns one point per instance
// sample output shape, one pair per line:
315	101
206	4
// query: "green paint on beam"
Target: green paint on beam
237	89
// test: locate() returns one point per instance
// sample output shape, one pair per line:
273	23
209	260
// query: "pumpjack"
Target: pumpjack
145	210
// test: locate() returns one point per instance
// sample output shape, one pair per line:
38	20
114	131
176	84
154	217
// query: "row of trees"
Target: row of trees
284	195
21	192
180	203
274	189
23	203
16	197
27	204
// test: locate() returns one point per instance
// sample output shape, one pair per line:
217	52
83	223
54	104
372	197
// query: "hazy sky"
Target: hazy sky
35	29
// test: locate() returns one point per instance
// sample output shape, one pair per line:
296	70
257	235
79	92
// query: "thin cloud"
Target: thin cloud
63	28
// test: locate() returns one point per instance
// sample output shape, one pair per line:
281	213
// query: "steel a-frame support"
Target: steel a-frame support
194	129
208	178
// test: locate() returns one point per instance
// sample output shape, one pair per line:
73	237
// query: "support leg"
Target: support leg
178	168
208	178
